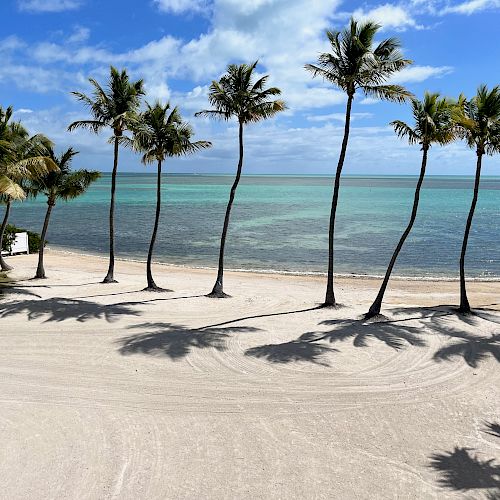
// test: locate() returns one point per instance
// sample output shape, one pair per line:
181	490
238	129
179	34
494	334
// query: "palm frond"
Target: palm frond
11	189
92	125
393	93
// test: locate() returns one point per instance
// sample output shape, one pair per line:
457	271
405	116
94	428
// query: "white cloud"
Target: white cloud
415	74
471	7
369	100
388	16
338	117
49	5
11	44
180	6
79	35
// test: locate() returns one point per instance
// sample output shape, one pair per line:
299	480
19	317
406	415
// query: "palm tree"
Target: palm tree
354	64
236	95
63	185
21	158
159	132
111	107
433	124
478	122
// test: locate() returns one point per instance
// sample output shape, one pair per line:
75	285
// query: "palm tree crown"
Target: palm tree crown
21	157
433	121
111	107
159	132
354	64
237	95
64	184
478	120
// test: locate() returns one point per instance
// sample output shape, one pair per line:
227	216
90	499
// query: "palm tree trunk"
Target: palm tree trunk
152	286
377	304
3	264
218	289
40	271
464	307
111	269
330	294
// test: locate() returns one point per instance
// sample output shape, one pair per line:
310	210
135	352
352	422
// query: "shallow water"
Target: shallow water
280	223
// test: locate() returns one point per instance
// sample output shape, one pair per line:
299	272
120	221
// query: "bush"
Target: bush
10	235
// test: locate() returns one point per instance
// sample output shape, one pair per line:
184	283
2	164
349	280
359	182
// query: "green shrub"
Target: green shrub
10	236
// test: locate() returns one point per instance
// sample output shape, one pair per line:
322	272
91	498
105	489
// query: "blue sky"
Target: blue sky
50	47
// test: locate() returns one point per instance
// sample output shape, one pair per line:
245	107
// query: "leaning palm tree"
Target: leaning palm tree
237	95
478	122
111	107
159	133
21	158
433	124
355	65
64	184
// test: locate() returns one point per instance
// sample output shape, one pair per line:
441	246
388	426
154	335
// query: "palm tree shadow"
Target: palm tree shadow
493	429
308	346
462	471
177	341
59	309
56	285
5	291
268	315
472	347
395	336
139	302
301	349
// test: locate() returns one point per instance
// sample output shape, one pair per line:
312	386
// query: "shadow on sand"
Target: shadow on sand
493	429
177	341
60	309
472	347
7	291
310	347
296	350
394	333
462	470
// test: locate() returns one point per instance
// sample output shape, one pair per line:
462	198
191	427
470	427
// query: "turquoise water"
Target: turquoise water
280	222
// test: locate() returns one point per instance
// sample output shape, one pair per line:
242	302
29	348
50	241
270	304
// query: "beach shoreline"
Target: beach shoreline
312	274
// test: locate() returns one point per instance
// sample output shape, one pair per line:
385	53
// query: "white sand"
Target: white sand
110	392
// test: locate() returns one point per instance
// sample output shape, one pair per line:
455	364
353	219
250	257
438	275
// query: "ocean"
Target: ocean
280	223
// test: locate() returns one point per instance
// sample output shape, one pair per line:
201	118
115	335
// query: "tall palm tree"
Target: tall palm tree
21	158
111	107
159	133
478	122
62	185
353	65
433	124
237	95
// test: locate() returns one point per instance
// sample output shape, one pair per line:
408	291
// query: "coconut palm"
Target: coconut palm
111	107
21	158
237	95
62	185
433	124
478	122
159	133
353	65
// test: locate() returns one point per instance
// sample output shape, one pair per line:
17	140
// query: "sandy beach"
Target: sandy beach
107	391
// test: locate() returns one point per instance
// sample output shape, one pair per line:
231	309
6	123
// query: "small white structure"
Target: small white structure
20	244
